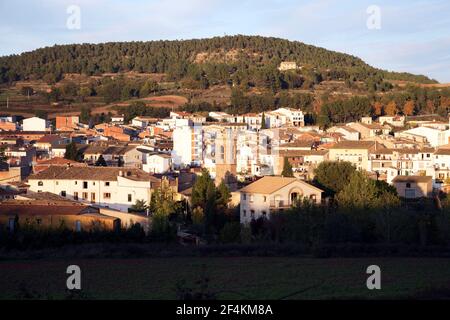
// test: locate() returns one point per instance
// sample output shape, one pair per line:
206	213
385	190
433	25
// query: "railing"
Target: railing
280	204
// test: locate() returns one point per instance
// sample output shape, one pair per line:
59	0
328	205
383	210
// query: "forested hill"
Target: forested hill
229	58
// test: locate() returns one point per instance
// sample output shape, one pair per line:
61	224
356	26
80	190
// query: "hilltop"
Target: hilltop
175	57
236	74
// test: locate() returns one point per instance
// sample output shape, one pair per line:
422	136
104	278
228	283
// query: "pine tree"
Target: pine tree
101	162
263	122
72	152
287	169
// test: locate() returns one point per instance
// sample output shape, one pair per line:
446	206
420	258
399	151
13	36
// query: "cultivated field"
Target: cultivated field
229	277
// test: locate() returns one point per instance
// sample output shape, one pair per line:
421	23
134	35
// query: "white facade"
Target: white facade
187	144
35	124
434	137
119	194
157	163
258	203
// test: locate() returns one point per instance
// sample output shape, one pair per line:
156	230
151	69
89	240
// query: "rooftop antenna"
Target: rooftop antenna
7	102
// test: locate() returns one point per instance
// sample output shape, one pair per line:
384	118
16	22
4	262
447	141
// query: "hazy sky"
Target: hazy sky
414	35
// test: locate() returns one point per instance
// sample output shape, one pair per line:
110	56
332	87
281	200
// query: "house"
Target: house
118	119
54	214
413	186
303	161
143	122
287	65
253	120
157	163
355	152
114	187
66	123
42	165
348	133
294	117
434	137
117	133
395	121
369	130
35	124
441	163
270	194
46	142
8	126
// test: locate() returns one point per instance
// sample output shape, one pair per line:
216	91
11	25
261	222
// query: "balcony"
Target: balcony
277	204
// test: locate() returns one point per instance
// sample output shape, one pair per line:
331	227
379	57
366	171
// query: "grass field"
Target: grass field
230	277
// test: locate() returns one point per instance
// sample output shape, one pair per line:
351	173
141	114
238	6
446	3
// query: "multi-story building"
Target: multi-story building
114	187
187	143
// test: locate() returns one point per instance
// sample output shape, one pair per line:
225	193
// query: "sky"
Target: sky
402	35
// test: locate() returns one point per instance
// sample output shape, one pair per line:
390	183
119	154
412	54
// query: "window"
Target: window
76	182
130	198
38	221
244	213
85	195
57	183
92	197
251	198
63	193
85	185
408	185
410	193
40	183
107	184
265	198
252	213
244	196
75	196
107	195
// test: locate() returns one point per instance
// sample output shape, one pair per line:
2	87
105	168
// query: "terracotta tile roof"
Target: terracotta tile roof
298	144
298	153
43	208
413	179
270	184
90	173
442	152
49	138
60	161
354	145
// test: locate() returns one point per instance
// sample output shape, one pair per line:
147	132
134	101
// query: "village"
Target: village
114	166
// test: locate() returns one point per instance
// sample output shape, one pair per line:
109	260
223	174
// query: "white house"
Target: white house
348	132
157	163
35	124
295	117
113	187
435	137
271	194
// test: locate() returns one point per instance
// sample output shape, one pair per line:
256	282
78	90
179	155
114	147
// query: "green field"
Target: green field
229	278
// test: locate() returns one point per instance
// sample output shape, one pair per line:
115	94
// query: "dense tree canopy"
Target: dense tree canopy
239	59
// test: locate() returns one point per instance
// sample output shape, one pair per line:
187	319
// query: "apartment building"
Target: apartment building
187	143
